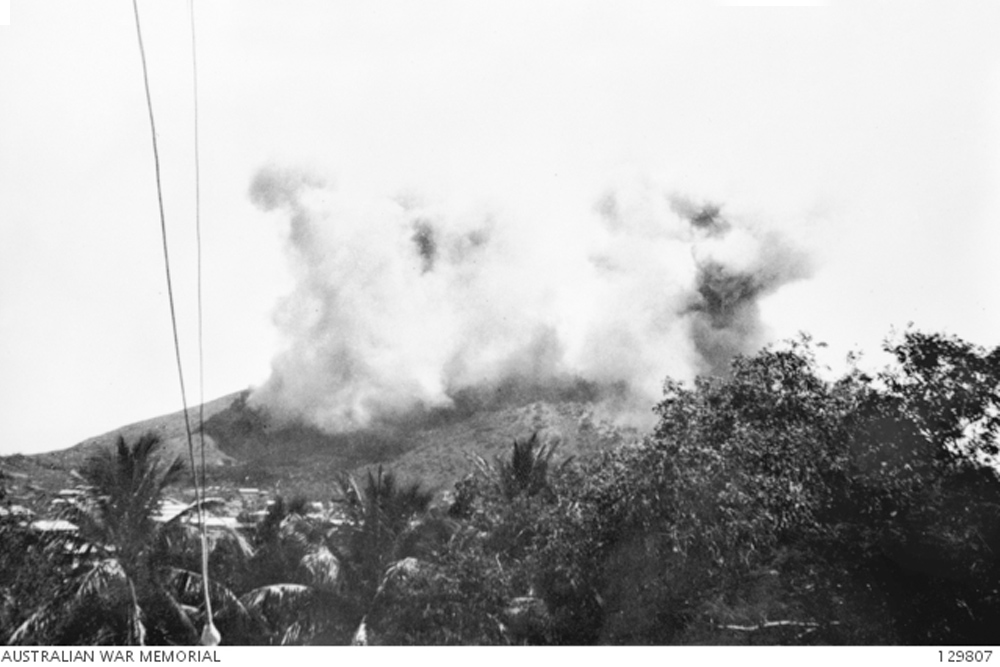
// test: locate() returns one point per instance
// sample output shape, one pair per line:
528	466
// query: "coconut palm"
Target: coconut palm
526	471
388	523
294	577
120	586
315	579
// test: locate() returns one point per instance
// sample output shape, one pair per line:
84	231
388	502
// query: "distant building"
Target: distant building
54	526
170	509
16	512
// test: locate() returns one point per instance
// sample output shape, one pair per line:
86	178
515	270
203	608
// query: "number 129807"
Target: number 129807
966	655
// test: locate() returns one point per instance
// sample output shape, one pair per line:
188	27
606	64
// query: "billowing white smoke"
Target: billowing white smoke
400	305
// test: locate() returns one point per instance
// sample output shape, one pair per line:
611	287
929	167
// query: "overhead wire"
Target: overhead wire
210	634
163	225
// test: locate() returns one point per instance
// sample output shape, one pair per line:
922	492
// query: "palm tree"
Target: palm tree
386	521
120	587
388	525
316	579
294	576
525	472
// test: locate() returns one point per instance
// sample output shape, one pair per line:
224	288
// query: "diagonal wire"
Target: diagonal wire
163	226
170	295
201	349
197	227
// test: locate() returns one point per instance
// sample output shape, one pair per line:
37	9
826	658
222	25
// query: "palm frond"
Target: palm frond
188	586
103	580
38	626
136	628
100	578
235	538
282	595
524	471
323	569
297	613
352	496
127	484
183	613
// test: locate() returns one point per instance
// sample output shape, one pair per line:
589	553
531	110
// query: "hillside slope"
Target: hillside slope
245	447
434	447
33	479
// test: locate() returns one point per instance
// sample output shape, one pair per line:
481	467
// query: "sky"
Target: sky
867	136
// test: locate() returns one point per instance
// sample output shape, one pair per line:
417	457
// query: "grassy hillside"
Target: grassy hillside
433	447
34	479
245	447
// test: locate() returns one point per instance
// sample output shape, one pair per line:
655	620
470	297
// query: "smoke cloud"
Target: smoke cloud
403	304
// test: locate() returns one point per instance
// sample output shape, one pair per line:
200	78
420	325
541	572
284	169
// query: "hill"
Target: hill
245	446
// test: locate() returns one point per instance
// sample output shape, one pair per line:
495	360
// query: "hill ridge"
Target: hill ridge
246	447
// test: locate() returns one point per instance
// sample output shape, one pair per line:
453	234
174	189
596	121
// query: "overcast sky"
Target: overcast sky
871	136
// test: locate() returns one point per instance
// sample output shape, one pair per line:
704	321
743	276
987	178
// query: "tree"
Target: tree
769	506
295	580
950	389
524	472
27	571
943	535
488	582
856	510
711	525
120	586
389	531
318	580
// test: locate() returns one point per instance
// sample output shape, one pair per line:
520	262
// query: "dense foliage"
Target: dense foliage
771	506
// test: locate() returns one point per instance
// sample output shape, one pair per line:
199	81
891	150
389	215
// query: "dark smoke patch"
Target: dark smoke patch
725	315
717	347
725	294
426	243
705	216
724	311
708	218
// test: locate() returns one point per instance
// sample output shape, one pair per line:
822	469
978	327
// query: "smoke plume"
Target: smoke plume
402	304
